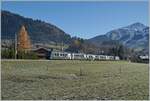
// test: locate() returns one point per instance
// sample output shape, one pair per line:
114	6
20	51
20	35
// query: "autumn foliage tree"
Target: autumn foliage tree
24	45
23	40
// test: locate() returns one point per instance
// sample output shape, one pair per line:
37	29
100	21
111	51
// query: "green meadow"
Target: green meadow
73	79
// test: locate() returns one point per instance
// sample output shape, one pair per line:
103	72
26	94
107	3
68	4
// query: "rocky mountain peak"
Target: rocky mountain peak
134	36
136	26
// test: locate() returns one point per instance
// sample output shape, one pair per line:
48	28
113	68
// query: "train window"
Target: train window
55	54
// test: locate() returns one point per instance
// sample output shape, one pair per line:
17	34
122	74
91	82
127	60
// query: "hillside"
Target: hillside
39	31
134	36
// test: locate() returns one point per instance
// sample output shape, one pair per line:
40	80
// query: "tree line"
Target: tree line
77	45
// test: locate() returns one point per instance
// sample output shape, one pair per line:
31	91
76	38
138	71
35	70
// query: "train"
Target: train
80	56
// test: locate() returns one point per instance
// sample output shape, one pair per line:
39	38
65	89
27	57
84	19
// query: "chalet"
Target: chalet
43	53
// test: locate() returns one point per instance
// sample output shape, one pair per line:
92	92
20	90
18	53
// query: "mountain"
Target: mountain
134	36
39	31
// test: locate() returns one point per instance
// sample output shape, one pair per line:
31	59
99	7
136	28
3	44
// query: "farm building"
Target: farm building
43	53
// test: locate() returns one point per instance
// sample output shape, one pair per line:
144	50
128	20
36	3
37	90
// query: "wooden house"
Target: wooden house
43	53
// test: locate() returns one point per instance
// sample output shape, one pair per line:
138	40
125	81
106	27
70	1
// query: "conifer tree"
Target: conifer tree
23	40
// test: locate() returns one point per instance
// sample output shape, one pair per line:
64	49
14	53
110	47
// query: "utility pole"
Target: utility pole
16	46
62	49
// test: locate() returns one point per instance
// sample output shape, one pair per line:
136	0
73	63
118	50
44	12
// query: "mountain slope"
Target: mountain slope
135	36
39	31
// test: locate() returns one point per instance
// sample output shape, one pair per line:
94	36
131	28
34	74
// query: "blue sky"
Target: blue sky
83	19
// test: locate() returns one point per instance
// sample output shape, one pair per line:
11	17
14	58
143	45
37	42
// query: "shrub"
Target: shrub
26	55
10	54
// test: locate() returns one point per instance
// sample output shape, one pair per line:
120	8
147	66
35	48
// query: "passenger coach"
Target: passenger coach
80	56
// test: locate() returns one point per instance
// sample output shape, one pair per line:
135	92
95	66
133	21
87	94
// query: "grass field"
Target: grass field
74	80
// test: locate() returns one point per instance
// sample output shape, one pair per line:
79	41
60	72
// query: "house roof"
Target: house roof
47	49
